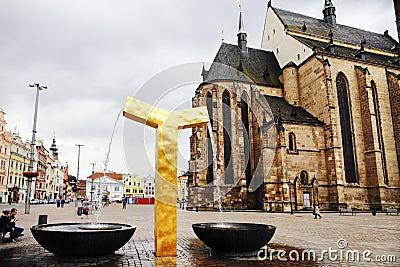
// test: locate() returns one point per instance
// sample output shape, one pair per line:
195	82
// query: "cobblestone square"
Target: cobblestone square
379	234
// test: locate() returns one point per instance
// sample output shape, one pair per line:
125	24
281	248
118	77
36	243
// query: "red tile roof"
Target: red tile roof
114	175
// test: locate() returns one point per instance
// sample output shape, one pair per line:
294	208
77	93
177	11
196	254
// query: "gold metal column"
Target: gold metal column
167	125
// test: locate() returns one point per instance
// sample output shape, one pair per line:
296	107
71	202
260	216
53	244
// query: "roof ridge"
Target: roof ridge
318	28
321	20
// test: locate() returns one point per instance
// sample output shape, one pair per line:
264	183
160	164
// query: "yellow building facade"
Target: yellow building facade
19	163
133	188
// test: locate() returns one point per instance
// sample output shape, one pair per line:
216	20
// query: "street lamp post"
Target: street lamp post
92	188
77	174
33	141
98	195
290	196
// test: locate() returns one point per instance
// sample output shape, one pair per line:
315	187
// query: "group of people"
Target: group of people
60	202
8	224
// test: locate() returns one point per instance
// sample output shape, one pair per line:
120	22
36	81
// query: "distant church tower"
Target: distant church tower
329	13
242	35
54	149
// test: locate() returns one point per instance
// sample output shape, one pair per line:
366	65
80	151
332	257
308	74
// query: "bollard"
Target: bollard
42	219
79	211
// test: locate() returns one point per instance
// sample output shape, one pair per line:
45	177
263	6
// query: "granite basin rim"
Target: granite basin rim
67	240
233	238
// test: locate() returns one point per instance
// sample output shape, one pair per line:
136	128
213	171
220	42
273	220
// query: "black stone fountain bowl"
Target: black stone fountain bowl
234	239
82	239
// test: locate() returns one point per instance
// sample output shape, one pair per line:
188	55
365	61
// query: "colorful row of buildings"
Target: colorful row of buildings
116	186
15	157
53	181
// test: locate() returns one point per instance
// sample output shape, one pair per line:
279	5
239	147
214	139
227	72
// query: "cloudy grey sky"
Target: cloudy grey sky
92	54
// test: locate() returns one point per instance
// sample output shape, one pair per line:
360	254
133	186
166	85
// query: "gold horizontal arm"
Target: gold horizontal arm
144	113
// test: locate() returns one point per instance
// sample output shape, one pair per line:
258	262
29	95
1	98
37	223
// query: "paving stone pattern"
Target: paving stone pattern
299	232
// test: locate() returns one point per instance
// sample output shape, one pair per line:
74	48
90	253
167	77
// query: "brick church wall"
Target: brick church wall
394	91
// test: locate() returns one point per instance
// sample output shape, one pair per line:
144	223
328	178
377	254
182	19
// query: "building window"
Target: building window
210	161
303	177
116	188
226	115
346	129
298	56
292	142
379	130
277	50
246	136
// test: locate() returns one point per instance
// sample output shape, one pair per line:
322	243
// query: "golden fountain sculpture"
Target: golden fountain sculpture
167	125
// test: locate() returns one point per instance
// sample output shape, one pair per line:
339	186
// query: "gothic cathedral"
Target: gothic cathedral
312	117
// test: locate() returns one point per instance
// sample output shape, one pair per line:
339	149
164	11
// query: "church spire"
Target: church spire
54	149
329	13
242	35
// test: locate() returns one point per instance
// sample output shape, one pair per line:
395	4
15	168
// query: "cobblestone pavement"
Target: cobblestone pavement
295	233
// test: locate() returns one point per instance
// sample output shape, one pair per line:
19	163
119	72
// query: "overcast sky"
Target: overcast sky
92	54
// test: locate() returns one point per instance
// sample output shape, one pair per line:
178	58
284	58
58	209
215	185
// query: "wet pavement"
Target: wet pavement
362	240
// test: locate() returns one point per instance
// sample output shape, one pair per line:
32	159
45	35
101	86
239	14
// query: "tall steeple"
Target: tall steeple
242	35
329	13
54	149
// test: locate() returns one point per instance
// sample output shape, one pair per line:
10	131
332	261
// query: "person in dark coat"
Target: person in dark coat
13	218
6	225
124	203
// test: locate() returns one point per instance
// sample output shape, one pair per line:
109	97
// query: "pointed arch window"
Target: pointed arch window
379	130
303	177
246	136
346	129
210	167
292	143
227	129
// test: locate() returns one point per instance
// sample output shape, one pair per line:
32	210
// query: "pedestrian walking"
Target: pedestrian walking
85	207
62	202
58	202
316	212
124	203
